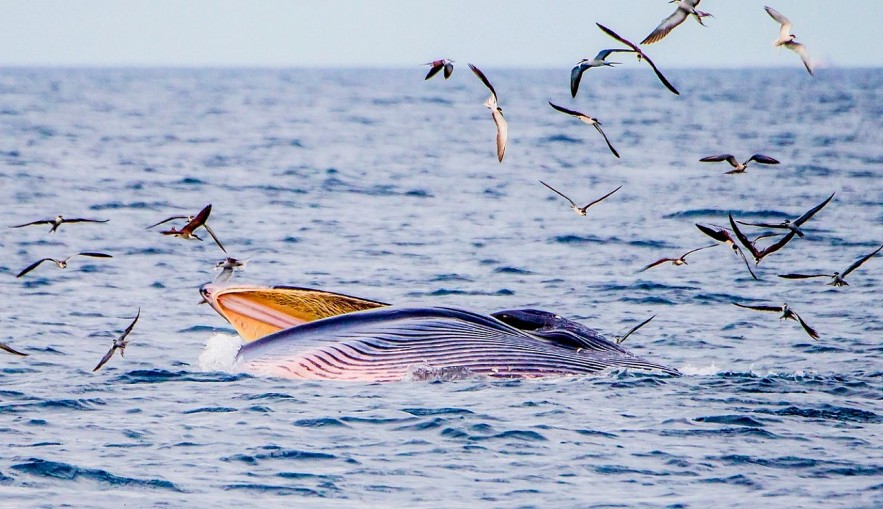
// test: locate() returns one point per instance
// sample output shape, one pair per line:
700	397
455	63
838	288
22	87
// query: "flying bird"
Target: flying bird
585	64
579	210
61	264
59	220
793	226
787	313
438	65
677	262
226	268
496	112
118	344
838	277
739	167
722	235
788	40
620	339
759	254
193	223
588	120
684	9
641	56
7	348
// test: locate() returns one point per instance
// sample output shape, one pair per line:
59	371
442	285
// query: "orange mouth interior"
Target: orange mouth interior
256	312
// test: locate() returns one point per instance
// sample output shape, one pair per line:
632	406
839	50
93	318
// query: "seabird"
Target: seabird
722	235
118	344
684	9
620	339
61	264
59	220
739	167
438	65
193	223
787	313
496	112
588	120
787	39
675	261
579	210
795	225
641	56
759	254
585	64
838	277
226	268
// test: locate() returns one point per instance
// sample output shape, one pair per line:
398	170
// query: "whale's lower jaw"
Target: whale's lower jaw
389	344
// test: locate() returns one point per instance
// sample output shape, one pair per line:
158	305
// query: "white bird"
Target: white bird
685	9
576	208
787	39
496	112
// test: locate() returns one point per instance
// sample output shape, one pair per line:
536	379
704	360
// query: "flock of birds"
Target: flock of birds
188	232
732	237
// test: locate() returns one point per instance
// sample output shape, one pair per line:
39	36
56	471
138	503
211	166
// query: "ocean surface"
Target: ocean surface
379	184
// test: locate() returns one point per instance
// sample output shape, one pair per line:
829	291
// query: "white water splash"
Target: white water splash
690	370
220	353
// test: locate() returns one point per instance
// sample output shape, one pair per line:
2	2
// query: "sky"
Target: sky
402	33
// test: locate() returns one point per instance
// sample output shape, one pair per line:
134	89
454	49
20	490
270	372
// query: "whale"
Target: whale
311	334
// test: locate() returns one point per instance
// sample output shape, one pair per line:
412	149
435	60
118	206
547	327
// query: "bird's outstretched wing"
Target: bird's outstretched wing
598	127
811	212
860	261
559	193
33	266
633	329
774	309
667	25
167	220
809	330
41	221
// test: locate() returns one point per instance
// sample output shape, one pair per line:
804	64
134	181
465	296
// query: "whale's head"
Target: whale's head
256	311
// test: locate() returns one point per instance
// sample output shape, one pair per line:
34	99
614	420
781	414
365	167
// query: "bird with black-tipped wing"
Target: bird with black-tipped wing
588	120
496	113
61	264
59	220
737	166
576	208
838	278
793	226
788	40
600	60
722	235
641	56
677	262
787	313
685	8
119	343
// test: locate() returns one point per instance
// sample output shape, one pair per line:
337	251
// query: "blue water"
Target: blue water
378	184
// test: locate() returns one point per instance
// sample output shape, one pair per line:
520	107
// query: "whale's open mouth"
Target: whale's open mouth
256	311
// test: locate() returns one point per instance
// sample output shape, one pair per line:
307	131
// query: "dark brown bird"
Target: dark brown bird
641	56
787	313
61	264
722	235
677	262
193	223
838	277
751	246
588	120
438	65
118	344
579	210
59	220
